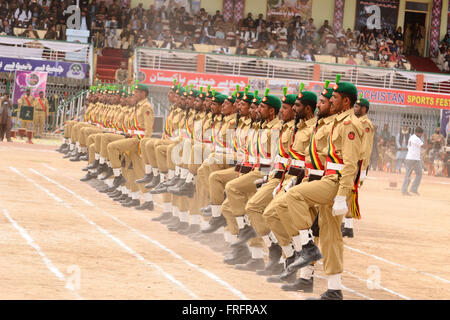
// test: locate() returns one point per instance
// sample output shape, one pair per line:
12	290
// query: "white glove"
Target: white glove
340	205
290	184
363	176
275	191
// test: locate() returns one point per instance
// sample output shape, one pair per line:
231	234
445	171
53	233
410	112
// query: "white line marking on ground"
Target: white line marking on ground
397	264
50	266
381	287
109	235
49	167
209	274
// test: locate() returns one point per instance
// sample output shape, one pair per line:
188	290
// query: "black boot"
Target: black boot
146	179
102	168
85	168
146	206
207	209
126	200
76	157
179	183
187	189
88	177
154	182
251	265
131	204
214	224
84	157
62	147
160	188
109	173
171	221
310	253
178	226
183	227
300	285
193	228
274	266
68	155
115	194
285	275
174	181
121	198
329	295
94	165
244	235
239	255
119	180
163	217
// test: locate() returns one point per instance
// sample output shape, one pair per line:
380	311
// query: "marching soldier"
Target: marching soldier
26	100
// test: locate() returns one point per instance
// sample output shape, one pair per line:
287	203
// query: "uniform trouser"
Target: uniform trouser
91	143
128	146
68	128
300	199
239	190
85	133
5	129
39	121
217	182
256	205
105	140
75	132
27	124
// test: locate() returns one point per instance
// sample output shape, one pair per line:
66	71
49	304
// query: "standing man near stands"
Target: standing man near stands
413	162
402	147
41	107
5	118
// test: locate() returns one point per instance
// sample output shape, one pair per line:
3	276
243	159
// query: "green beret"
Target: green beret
194	93
180	91
271	100
248	97
289	99
219	98
240	95
142	87
363	102
307	96
231	98
256	100
346	87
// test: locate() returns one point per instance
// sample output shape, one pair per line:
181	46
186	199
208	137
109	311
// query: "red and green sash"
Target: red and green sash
332	155
313	153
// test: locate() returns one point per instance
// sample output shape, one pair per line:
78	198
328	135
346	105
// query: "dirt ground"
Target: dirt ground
61	239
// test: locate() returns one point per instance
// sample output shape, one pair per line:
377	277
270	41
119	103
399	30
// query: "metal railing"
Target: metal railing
233	65
71	109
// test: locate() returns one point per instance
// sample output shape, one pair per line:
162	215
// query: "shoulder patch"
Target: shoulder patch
367	129
347	122
351	135
147	113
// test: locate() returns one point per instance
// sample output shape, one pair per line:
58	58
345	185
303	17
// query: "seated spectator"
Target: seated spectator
149	42
168	44
6	29
241	50
51	33
293	52
341	47
351	61
325	27
224	48
383	63
272	44
30	33
22	16
398	36
276	53
366	61
186	45
261	52
307	56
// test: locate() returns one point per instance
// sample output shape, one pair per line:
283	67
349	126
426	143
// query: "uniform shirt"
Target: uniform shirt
346	138
367	141
265	140
26	100
414	146
228	123
144	116
41	104
303	135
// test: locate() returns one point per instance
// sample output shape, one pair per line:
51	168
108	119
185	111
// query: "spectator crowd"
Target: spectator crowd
119	26
390	150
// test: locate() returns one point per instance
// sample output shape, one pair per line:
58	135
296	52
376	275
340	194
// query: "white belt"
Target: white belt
139	132
174	138
316	172
335	166
266	161
221	149
252	159
298	163
279	159
119	132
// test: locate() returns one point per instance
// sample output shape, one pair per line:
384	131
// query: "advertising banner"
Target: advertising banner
165	78
286	10
73	70
397	97
376	14
35	81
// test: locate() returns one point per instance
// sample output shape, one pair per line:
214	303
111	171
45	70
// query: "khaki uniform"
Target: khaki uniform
344	151
281	223
41	108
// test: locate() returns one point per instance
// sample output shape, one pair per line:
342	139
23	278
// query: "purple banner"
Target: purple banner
73	70
33	80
